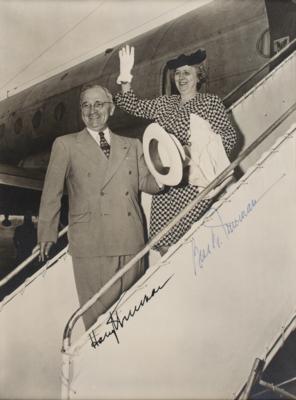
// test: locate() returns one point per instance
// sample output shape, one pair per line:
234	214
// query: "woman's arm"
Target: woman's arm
127	100
126	87
144	108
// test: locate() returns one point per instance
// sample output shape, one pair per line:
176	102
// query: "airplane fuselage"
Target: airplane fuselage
228	30
238	35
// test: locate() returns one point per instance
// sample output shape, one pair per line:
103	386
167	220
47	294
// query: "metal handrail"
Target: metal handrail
277	56
217	181
26	262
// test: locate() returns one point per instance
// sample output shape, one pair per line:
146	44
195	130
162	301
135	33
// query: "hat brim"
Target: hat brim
156	141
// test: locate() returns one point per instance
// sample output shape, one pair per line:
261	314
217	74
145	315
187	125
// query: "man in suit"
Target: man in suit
103	173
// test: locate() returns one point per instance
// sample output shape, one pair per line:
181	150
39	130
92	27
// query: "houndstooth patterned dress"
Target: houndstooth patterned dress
174	117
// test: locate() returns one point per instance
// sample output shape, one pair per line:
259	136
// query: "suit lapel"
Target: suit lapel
119	149
91	149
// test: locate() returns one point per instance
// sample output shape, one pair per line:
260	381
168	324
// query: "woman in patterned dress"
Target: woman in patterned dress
173	114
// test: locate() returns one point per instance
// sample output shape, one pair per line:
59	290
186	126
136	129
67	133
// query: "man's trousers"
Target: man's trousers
91	274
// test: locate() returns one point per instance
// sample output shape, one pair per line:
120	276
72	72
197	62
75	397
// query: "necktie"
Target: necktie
104	144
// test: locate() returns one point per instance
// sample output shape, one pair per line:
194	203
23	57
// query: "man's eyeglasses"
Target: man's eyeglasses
98	105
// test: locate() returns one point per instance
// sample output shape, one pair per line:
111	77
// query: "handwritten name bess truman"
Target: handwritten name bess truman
220	230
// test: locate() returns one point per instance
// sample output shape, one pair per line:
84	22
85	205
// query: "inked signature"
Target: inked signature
220	231
118	322
224	229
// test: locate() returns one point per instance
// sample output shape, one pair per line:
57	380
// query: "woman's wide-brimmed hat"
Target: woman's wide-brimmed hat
191	59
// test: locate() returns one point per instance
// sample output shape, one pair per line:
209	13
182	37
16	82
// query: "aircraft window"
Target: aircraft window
36	120
2	130
59	111
263	44
18	125
169	86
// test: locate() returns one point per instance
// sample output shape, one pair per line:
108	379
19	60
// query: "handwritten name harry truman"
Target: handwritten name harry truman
118	322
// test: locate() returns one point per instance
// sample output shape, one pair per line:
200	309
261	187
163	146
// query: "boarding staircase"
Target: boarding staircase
194	325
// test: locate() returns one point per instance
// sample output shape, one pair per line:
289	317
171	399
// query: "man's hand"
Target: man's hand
126	59
44	248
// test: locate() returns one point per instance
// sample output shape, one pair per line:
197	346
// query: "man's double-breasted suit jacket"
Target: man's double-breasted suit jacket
105	217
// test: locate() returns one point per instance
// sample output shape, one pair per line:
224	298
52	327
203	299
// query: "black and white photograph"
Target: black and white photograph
147	199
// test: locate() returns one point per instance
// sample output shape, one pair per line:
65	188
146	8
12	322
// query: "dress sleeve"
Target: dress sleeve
144	108
221	124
